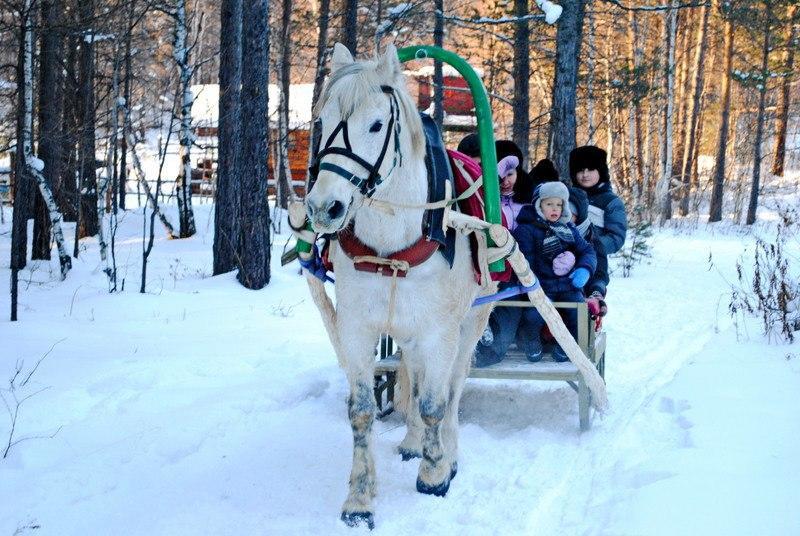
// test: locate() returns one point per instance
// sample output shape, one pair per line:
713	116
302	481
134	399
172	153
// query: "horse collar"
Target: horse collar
366	259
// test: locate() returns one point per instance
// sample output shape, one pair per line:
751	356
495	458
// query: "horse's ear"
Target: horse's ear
390	63
341	57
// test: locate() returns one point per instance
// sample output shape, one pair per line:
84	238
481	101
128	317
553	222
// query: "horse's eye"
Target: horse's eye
376	126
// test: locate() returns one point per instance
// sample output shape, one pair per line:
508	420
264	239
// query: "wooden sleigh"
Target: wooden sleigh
514	366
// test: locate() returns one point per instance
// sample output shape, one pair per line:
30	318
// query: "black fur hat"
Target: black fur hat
588	157
470	145
544	171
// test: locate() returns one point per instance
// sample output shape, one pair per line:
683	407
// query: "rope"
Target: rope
388	207
395	265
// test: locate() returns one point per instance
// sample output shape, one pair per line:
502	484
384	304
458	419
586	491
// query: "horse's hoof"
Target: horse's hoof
453	470
440	490
408	454
354	519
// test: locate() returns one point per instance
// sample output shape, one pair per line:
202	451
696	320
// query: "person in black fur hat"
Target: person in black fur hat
589	172
588	157
543	171
470	145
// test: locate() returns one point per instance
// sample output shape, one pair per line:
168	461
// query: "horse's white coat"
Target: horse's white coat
432	321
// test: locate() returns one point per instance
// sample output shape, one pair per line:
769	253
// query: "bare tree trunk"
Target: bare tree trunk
590	64
693	118
349	36
254	271
181	52
35	166
635	110
21	181
522	74
228	191
87	213
123	159
284	177
681	98
323	19
715	210
760	119
50	105
68	200
609	102
664	187
563	125
782	115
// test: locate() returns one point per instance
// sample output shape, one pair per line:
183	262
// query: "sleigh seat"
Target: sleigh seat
515	366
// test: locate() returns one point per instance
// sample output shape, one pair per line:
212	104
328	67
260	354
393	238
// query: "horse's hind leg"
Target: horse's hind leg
361	407
411	445
471	331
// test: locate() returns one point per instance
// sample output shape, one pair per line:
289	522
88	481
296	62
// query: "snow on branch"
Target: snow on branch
663	7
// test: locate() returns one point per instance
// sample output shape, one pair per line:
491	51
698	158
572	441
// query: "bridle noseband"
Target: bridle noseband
366	185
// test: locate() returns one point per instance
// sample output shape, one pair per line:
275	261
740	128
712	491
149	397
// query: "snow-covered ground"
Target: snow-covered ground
203	408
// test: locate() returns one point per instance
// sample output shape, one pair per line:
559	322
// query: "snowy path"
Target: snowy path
201	408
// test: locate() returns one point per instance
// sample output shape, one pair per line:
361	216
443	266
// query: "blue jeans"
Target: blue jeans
532	321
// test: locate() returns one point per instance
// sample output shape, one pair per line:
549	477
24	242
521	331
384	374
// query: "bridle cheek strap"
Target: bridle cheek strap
366	185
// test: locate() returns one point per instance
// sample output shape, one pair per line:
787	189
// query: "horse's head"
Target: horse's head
368	124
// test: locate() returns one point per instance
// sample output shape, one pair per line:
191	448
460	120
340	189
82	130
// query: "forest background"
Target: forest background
694	102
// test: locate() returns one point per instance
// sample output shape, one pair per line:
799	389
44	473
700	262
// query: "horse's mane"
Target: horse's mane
352	84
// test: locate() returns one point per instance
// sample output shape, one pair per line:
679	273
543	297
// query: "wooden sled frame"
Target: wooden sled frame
514	366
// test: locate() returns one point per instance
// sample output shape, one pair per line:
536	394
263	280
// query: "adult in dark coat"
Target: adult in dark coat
589	172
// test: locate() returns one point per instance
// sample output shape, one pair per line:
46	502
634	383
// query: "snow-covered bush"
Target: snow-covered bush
771	291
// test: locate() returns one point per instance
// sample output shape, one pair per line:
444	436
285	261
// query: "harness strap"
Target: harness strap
366	259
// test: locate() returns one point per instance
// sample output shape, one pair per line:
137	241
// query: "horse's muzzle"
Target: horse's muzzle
328	217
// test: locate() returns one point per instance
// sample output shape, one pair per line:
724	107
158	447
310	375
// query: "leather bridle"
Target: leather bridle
366	185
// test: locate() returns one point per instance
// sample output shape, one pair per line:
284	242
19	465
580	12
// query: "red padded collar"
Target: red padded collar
417	253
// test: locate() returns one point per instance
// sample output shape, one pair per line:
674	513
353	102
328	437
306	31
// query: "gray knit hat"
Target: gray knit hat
553	189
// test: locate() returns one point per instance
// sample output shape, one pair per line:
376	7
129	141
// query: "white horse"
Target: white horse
374	149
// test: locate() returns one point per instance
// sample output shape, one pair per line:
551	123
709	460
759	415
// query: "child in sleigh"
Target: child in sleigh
563	262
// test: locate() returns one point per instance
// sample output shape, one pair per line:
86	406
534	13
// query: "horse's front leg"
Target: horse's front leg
361	406
432	368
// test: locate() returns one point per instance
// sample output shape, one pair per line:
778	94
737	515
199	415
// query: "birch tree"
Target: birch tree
181	54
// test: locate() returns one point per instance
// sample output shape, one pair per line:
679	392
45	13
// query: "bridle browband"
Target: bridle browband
366	185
